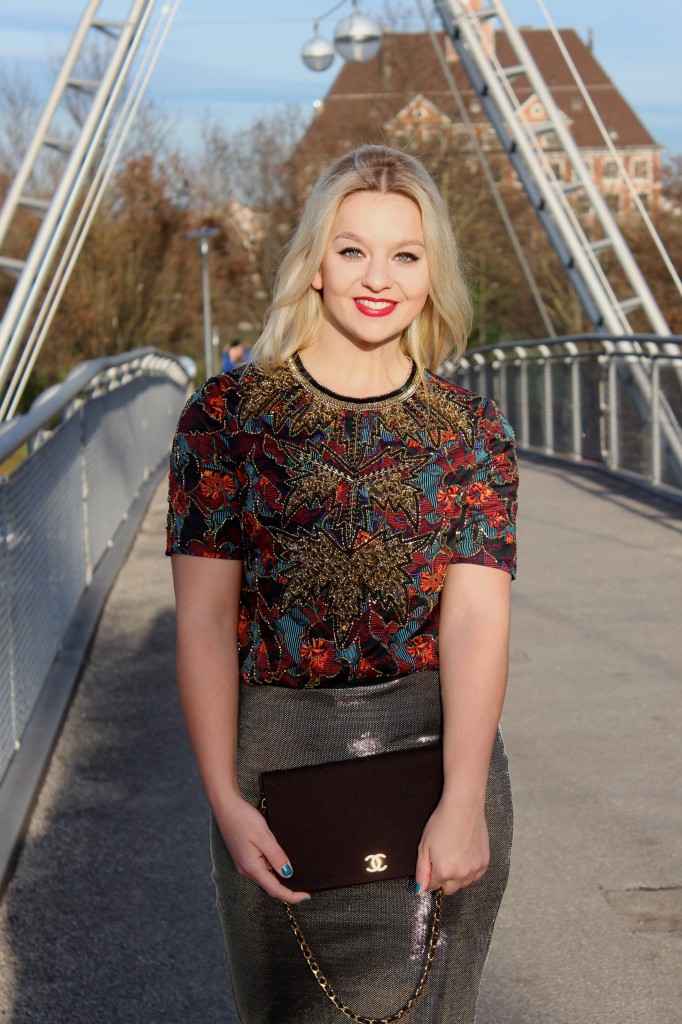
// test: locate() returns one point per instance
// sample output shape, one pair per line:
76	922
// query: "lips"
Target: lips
374	307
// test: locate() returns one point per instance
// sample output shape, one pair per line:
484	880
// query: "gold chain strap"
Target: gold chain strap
327	986
331	994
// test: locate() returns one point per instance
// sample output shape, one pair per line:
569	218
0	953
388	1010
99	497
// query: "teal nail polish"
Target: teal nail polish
306	900
417	887
287	871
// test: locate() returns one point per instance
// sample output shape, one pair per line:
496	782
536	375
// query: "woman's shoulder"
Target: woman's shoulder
482	412
448	389
220	396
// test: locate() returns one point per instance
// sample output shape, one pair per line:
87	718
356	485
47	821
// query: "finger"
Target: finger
443	876
263	876
275	855
422	874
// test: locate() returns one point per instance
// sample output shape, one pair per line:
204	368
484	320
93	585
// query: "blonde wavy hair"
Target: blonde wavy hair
294	318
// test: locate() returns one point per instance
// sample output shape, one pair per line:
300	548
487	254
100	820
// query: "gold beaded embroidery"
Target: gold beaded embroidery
340	564
369	484
356	405
279	397
319	569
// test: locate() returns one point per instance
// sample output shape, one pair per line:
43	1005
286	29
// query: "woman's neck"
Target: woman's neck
350	370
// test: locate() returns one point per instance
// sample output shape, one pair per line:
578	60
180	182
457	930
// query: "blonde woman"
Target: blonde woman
353	513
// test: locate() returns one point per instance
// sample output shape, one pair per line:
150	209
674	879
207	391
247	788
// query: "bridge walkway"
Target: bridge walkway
109	917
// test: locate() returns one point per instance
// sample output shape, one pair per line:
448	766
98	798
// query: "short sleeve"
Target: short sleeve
485	530
204	485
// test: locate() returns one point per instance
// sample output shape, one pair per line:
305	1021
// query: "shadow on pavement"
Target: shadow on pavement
111	914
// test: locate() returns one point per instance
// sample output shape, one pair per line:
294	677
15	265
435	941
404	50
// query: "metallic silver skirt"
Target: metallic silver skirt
369	940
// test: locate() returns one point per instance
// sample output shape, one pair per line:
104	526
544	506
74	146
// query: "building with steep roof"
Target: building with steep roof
401	97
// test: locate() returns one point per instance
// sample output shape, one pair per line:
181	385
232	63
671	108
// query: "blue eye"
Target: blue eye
351	252
406	257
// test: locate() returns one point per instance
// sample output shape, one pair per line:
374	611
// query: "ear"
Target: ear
318	281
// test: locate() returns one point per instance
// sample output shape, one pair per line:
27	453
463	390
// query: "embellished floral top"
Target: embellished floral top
344	512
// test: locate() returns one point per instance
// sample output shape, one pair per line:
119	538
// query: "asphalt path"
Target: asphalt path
110	916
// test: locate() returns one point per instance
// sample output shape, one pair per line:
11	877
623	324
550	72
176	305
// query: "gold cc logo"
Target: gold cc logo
376	862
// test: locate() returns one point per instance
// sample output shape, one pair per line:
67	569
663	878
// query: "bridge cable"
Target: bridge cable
634	194
489	177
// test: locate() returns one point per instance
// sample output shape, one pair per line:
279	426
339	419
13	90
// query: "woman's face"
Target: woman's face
374	276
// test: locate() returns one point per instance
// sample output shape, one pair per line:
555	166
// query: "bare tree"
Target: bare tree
671	181
399	17
19	112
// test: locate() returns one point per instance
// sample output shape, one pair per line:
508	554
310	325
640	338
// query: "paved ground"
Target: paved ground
110	916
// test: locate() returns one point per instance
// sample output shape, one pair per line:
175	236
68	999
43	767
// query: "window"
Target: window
640	168
613	202
581	204
610	169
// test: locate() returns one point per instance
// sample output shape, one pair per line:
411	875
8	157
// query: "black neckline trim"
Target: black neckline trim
388	396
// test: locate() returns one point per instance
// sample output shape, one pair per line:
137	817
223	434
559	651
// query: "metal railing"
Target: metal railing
93	441
98	436
610	401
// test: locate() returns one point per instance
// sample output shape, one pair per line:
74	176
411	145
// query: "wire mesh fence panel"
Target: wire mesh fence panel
485	384
46	558
562	406
464	378
59	510
112	459
7	726
127	432
670	371
670	391
163	412
512	405
633	411
536	405
591	414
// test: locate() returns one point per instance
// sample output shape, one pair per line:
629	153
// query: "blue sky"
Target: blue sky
238	60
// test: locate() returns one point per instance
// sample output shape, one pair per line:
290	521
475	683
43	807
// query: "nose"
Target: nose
377	275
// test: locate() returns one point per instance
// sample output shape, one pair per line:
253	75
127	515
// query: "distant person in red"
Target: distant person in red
233	355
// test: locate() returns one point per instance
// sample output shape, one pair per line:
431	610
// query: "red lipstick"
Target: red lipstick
374	307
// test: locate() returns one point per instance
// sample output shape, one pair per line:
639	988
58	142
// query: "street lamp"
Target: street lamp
203	234
317	54
357	38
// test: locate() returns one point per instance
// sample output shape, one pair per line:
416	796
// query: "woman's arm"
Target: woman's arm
207	603
473	652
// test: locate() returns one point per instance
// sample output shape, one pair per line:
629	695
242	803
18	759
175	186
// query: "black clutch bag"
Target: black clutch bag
356	821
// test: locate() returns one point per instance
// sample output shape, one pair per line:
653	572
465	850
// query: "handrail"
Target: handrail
96	441
601	341
606	400
86	377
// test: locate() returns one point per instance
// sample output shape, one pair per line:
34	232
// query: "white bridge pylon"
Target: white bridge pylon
82	154
465	24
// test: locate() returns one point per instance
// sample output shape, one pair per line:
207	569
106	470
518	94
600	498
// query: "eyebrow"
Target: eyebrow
356	238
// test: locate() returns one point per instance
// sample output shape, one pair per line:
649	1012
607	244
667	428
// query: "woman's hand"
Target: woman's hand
454	850
255	851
